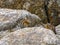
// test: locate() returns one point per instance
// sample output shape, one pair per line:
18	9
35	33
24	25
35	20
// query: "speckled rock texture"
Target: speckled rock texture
30	36
58	34
58	41
58	29
17	18
4	33
29	22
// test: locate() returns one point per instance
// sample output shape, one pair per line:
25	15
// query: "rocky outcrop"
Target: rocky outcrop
4	33
30	36
30	22
33	6
8	18
58	29
58	34
17	18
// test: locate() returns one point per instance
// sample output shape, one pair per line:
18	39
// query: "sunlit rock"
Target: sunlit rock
30	36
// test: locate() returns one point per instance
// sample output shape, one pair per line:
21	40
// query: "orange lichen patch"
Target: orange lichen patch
26	22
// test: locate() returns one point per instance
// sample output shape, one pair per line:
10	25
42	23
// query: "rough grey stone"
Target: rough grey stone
58	41
10	18
30	36
58	29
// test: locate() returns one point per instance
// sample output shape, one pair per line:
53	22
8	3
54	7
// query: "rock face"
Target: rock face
4	33
58	29
30	36
58	41
11	18
58	34
30	22
8	18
